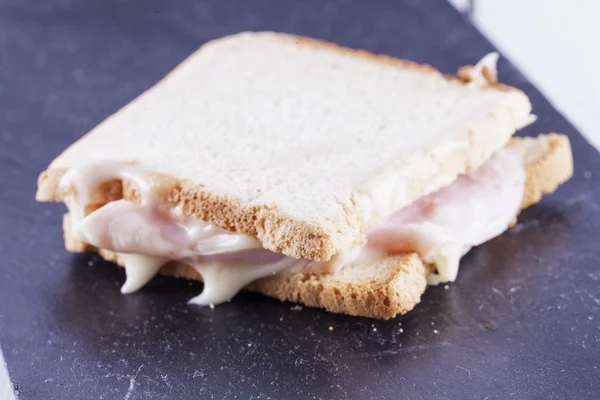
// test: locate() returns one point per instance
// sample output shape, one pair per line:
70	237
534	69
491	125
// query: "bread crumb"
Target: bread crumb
330	327
212	306
90	263
488	325
399	323
400	330
281	318
436	331
296	308
587	174
446	287
374	329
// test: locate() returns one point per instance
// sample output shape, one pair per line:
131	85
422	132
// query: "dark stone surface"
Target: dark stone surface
522	320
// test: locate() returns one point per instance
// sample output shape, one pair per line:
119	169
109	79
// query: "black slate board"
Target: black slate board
522	320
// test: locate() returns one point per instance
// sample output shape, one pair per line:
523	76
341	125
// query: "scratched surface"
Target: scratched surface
522	320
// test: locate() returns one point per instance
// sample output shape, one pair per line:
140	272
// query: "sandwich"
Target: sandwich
305	171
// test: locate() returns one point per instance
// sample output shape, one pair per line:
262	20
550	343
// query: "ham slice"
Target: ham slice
442	226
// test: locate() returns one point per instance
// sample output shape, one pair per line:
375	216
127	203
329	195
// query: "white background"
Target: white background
555	44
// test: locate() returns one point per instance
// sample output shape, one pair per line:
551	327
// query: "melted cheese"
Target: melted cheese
139	269
440	227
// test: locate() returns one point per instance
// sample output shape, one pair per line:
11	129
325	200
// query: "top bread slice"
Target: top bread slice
301	143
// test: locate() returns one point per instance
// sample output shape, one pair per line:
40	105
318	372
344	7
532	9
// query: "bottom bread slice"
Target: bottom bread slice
393	285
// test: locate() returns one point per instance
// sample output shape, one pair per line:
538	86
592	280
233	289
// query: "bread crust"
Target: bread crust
395	284
281	232
549	162
461	75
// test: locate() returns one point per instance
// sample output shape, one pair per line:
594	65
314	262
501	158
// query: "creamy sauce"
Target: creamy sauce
440	227
226	280
139	269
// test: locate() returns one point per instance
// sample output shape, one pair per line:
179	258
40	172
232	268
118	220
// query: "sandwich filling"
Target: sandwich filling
441	227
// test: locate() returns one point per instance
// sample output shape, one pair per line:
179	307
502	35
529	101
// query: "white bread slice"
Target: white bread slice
283	138
395	284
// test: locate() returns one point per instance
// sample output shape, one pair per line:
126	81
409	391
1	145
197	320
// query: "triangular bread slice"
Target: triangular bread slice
395	284
296	141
